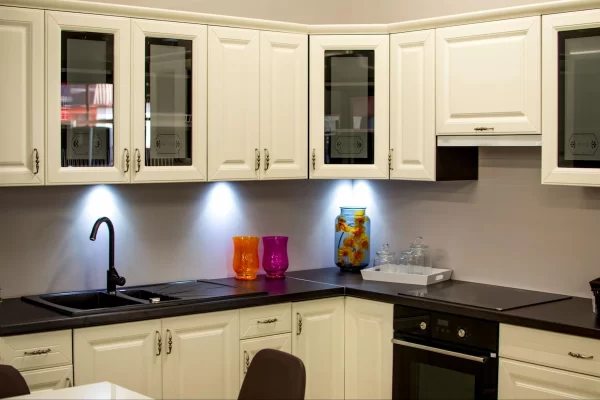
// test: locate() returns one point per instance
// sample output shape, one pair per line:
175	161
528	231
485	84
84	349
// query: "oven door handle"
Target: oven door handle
440	351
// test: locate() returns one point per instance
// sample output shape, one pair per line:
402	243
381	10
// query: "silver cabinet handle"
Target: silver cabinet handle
299	319
266	159
126	151
247	362
37	352
581	356
170	342
440	351
314	159
483	128
257	162
68	382
139	160
159	343
37	161
390	159
268	321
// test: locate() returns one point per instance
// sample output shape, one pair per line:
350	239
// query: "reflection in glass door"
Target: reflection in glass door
168	105
349	107
578	97
87	92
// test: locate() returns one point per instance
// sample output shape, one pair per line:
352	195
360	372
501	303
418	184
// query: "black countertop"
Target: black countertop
572	316
19	317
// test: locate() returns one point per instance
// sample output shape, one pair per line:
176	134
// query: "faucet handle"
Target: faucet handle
121	281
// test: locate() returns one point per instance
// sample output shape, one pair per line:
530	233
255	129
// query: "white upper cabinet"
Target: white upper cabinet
412	106
318	340
21	100
233	104
488	78
349	106
571	92
283	105
88	98
169	101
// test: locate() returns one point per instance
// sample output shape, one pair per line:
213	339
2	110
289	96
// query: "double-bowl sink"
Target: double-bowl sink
94	302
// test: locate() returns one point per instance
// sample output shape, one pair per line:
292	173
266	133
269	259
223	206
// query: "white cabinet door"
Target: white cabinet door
570	137
169	118
521	381
349	106
125	354
88	98
284	105
43	380
488	78
21	100
249	348
412	106
318	340
368	340
233	104
201	355
37	350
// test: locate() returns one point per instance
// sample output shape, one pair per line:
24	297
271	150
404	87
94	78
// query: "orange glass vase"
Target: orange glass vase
245	257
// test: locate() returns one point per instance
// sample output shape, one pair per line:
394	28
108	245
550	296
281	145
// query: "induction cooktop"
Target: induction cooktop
490	297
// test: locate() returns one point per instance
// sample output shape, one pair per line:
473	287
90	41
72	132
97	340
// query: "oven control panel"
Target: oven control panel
446	327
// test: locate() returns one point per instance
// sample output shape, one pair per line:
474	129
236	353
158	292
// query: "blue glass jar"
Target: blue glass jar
352	239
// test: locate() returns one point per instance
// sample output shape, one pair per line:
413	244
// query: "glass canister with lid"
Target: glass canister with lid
386	260
421	256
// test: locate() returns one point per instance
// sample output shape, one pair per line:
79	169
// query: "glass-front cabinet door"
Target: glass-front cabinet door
349	106
169	101
88	76
571	93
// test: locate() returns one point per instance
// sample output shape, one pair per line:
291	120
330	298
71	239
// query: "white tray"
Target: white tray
376	274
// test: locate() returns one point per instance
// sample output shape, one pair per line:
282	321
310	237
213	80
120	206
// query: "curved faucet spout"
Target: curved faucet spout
112	276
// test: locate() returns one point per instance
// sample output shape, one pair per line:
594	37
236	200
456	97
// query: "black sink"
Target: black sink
84	303
147	295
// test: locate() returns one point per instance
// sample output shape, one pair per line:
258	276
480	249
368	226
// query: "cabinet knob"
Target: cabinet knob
462	333
423	326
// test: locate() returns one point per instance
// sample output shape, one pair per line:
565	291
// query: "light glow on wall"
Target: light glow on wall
222	200
101	202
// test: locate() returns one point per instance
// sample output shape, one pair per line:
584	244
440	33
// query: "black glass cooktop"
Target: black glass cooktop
490	297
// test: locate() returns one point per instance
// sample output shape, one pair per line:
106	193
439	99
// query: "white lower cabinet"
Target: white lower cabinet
519	380
368	356
124	354
249	348
318	340
201	354
43	380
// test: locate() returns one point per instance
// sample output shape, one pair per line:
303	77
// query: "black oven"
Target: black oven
443	356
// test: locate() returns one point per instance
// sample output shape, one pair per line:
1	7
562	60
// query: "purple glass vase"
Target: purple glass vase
275	259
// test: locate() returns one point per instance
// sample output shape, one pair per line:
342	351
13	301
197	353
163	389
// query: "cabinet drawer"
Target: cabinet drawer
43	380
249	348
550	349
37	350
522	381
266	320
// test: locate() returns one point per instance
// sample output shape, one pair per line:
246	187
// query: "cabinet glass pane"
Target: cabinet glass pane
168	102
349	105
87	77
578	99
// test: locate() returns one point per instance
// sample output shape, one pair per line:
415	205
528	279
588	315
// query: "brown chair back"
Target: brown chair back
12	382
274	375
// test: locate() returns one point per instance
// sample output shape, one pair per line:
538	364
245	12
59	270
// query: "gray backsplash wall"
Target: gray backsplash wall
505	229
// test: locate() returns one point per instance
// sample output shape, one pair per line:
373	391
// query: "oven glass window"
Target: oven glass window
578	96
440	383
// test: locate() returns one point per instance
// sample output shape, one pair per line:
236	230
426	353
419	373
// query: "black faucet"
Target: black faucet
112	276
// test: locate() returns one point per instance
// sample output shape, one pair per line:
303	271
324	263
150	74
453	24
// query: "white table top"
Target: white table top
103	390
